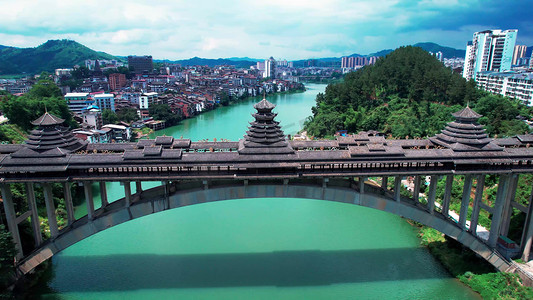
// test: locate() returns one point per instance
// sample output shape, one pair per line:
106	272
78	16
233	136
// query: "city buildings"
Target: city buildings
141	64
117	81
519	52
78	101
105	101
518	85
489	50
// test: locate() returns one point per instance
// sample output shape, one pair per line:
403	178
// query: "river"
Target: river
251	248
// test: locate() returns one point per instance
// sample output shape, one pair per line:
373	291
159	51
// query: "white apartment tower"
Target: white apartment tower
490	50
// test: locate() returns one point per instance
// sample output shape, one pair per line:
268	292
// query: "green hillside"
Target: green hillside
51	55
409	93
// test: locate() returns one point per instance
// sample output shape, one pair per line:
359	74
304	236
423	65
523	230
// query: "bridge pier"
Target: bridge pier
416	188
527	234
480	184
397	186
447	195
68	203
50	210
499	206
127	193
432	193
465	201
87	188
11	218
103	194
30	196
138	187
508	210
384	182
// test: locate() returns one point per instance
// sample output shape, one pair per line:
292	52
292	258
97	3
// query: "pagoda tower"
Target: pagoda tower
264	135
465	134
50	139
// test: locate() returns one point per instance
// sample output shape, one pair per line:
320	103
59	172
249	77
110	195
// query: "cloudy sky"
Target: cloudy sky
290	29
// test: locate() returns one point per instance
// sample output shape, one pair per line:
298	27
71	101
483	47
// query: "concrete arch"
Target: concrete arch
177	195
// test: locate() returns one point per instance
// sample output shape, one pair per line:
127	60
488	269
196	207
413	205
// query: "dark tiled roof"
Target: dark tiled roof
465	134
47	120
265	135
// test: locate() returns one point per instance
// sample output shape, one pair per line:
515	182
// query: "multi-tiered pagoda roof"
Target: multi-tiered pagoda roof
465	133
51	138
265	136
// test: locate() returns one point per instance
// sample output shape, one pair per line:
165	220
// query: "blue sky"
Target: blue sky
290	29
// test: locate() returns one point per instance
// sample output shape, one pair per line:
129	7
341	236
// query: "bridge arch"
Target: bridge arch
175	195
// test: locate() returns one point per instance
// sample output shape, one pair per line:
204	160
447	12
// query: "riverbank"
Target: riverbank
475	272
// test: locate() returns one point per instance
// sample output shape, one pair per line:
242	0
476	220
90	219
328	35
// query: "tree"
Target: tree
224	98
7	256
127	115
22	110
109	116
164	113
45	89
81	73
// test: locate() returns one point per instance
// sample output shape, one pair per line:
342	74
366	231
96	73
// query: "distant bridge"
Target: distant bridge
265	164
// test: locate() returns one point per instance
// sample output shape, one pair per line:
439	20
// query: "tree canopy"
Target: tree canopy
43	96
408	93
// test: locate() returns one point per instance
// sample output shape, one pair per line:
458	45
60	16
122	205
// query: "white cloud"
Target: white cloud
181	29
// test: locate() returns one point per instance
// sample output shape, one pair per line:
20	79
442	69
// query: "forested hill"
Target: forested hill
408	93
49	56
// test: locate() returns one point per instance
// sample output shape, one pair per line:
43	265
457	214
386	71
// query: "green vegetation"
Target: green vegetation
409	93
11	134
109	117
164	112
127	115
49	56
43	96
7	256
473	271
497	285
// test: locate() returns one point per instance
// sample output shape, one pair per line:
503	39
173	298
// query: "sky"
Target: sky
284	29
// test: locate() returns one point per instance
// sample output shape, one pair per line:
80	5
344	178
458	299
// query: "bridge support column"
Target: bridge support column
361	185
416	188
497	215
480	184
465	201
527	235
50	210
432	193
397	186
36	226
447	195
138	187
167	194
103	193
87	188
508	209
384	182
12	226
68	203
127	193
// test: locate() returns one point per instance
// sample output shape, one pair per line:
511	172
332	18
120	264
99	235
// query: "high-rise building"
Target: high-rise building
270	68
141	64
117	81
519	52
489	50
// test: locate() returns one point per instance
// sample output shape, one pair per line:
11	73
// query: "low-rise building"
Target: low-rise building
518	85
76	102
105	101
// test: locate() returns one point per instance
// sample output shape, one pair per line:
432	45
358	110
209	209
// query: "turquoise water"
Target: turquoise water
252	248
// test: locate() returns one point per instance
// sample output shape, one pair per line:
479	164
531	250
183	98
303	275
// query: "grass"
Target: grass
472	270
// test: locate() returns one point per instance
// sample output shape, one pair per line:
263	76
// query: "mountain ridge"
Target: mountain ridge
55	54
